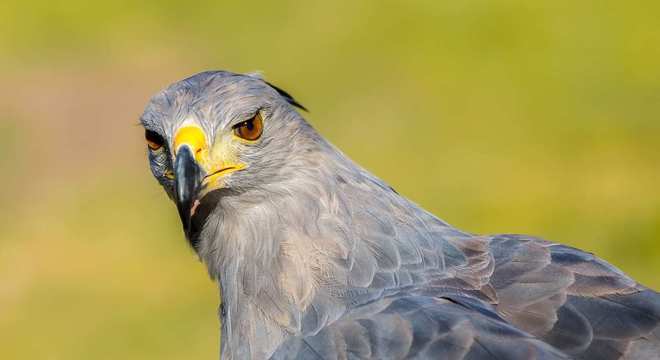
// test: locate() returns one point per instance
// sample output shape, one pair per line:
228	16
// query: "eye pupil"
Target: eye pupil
250	129
154	140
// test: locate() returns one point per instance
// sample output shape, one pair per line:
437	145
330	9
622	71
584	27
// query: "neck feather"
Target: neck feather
296	254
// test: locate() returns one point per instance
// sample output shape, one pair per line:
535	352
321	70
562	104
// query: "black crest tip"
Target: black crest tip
287	97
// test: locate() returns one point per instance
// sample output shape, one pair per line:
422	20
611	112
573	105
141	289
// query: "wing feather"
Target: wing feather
424	327
573	300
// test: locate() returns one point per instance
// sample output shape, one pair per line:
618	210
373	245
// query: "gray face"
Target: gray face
220	132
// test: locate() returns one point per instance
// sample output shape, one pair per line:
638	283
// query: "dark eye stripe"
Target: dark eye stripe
154	140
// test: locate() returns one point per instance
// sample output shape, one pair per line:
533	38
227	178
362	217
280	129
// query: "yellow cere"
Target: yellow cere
194	137
217	161
223	159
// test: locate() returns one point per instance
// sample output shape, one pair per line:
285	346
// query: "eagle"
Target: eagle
317	258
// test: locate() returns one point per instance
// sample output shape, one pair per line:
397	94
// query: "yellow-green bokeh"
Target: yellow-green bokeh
539	117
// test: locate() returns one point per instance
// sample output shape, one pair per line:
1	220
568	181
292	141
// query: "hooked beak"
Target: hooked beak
188	180
196	173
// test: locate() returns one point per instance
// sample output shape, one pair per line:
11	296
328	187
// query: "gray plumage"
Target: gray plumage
316	258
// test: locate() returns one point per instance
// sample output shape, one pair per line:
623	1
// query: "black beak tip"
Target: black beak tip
184	214
188	177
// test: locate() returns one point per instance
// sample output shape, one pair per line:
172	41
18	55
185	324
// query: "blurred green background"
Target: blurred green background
539	117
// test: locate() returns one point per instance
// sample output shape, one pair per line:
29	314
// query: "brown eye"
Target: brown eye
154	141
250	129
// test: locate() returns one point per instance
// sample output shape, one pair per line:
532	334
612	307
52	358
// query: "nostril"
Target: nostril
193	137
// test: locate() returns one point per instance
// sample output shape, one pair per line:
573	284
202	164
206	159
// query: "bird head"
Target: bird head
218	134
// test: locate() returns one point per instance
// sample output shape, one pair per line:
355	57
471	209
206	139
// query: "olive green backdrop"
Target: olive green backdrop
539	117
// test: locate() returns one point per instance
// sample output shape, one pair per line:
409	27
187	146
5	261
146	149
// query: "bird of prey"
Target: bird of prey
316	258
